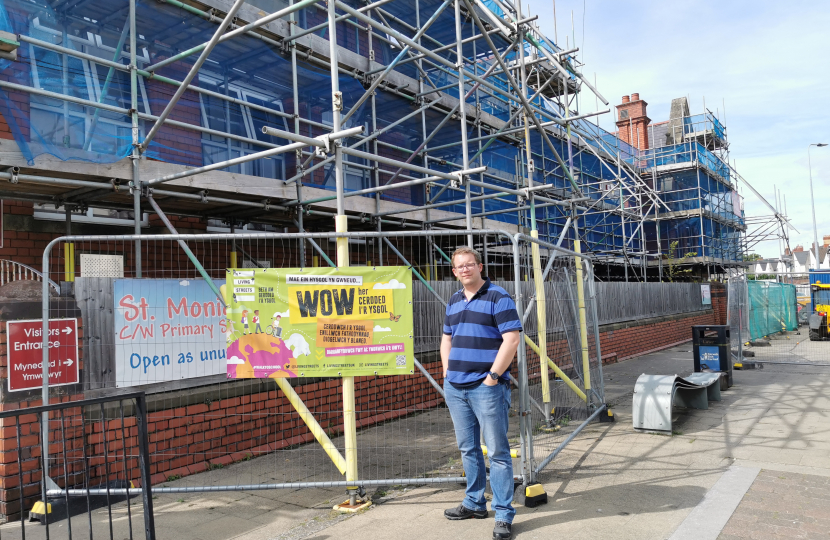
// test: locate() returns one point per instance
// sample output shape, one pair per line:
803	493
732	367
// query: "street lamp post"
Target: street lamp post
813	201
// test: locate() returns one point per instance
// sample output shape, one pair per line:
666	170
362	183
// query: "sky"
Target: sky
763	67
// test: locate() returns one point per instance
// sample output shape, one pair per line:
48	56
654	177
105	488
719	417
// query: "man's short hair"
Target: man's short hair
464	250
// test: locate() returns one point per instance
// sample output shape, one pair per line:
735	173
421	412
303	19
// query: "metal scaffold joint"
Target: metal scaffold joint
460	177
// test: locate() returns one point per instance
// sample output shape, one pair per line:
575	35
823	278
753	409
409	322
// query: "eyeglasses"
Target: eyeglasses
465	267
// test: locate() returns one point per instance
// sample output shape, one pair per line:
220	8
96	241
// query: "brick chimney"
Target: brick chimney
632	121
798	248
826	240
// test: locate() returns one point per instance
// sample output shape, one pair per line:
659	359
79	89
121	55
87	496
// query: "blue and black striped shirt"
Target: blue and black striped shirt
476	327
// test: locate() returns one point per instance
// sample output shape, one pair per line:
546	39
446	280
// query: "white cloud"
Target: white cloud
284	315
184	283
393	284
299	343
235	360
379	328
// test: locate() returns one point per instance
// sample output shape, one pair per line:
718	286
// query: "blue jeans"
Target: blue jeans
473	410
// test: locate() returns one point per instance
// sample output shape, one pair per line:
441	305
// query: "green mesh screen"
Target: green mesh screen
772	308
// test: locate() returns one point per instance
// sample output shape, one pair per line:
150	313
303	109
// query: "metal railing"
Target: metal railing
14	271
99	446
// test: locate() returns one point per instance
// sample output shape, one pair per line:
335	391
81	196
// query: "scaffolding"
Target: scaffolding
688	165
313	111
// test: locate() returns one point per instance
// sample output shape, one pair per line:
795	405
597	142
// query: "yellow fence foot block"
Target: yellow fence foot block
535	495
514	452
347	508
39	511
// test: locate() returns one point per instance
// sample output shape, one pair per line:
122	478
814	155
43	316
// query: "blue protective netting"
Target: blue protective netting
259	77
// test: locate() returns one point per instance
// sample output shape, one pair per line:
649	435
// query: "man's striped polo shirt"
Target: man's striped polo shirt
476	328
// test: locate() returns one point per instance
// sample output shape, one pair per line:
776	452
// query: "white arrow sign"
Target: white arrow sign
68	363
67	330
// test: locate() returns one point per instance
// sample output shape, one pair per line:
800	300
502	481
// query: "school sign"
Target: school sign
319	322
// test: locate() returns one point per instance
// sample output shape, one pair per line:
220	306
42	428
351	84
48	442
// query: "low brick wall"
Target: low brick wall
621	341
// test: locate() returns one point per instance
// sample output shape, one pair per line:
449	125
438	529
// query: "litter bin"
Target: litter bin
710	344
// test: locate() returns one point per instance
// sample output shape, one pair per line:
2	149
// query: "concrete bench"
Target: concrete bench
655	397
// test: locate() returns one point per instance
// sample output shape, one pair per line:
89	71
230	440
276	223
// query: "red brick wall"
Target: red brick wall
17	72
719	302
180	145
635	338
23	246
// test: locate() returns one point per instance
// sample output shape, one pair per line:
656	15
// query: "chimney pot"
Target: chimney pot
635	97
626	99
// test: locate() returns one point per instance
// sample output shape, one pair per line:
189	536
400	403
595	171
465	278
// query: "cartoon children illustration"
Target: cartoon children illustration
245	321
275	325
257	327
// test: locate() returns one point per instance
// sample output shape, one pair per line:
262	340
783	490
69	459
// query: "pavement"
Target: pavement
755	465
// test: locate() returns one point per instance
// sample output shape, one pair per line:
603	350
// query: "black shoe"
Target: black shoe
502	531
462	512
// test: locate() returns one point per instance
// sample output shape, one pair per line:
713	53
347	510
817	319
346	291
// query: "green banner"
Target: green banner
319	322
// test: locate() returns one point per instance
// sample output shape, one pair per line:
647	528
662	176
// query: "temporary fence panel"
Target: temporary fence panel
166	332
564	372
737	313
770	323
772	308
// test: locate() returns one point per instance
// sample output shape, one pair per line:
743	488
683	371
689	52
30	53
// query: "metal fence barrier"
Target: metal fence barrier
405	434
770	321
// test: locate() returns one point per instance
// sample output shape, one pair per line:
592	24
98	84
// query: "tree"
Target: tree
673	262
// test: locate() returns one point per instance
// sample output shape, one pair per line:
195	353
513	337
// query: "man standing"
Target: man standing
481	334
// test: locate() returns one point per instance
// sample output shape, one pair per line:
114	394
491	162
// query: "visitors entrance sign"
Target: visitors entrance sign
25	353
319	322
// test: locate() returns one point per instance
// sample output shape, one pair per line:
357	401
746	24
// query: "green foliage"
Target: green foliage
173	477
673	268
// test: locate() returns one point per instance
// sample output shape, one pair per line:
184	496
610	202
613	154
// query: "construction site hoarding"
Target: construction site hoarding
319	322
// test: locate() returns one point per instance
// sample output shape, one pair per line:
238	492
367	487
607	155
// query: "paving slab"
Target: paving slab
610	482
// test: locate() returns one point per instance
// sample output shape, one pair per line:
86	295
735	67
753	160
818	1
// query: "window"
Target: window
101	216
69	125
222	115
221	226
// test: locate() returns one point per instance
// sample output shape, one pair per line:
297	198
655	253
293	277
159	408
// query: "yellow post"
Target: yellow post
541	316
556	369
312	424
315	261
349	418
583	319
233	259
69	261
